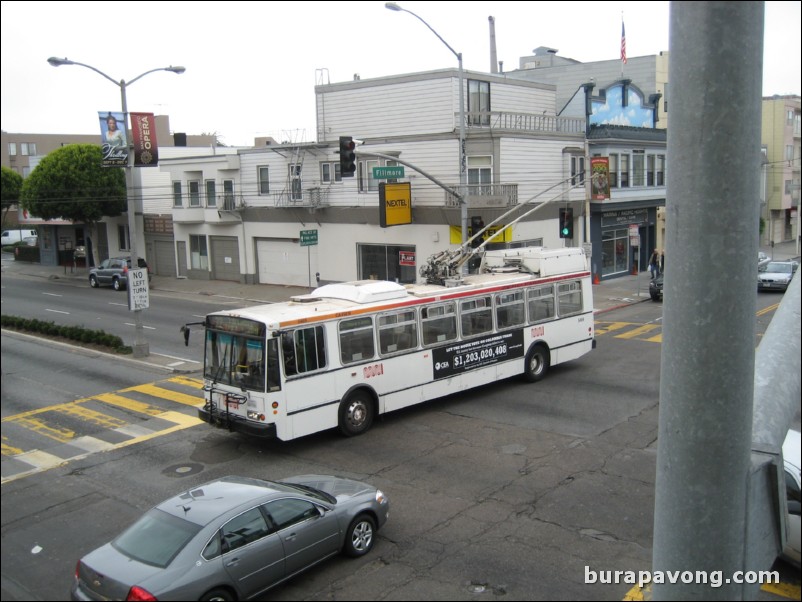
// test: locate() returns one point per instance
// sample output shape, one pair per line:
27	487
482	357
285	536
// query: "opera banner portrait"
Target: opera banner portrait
115	141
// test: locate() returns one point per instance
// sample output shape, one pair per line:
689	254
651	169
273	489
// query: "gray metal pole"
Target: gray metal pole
141	347
707	366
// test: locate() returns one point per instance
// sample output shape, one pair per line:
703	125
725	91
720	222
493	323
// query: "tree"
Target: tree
71	183
10	189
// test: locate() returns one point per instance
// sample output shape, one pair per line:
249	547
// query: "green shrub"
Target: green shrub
79	334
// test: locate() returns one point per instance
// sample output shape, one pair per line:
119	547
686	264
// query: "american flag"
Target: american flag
623	44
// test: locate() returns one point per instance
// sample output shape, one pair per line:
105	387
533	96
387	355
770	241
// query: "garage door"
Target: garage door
165	259
225	258
285	262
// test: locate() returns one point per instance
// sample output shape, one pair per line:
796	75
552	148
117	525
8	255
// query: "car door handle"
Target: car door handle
291	537
232	562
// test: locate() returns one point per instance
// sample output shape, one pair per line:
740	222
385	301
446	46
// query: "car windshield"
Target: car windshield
779	268
311	491
156	538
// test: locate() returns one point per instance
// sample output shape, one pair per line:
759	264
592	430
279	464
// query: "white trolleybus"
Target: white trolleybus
348	352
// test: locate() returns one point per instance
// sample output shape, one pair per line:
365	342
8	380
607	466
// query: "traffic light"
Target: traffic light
347	156
566	223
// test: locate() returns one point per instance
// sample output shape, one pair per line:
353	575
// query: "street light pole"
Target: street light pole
140	348
463	197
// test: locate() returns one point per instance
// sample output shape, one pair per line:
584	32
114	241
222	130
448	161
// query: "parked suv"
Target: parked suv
114	272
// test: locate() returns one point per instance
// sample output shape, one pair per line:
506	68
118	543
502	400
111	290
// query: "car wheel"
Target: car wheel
356	414
118	286
359	537
655	297
216	595
93	281
537	363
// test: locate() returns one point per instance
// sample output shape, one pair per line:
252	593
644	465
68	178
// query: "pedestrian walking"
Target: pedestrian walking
654	264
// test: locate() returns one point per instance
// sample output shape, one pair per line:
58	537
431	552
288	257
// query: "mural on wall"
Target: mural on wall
609	108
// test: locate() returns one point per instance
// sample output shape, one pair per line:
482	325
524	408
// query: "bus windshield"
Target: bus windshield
235	354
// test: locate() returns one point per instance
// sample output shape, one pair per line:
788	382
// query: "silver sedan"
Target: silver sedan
233	539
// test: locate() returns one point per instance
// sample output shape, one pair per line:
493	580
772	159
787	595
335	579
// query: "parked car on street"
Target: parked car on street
792	460
31	241
762	260
776	275
656	288
114	272
232	539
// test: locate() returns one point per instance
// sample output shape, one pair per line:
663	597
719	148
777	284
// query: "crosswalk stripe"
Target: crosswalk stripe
88	415
129	404
190	400
636	332
189	382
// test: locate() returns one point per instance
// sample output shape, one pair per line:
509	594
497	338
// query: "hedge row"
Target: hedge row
78	334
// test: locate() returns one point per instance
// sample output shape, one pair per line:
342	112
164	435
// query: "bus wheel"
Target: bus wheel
537	363
356	414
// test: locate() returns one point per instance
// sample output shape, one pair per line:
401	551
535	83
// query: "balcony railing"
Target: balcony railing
486	195
525	122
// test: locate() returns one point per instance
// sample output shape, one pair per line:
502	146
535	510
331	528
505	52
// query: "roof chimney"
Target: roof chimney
493	57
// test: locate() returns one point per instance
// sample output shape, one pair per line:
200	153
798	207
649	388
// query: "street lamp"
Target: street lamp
140	344
462	174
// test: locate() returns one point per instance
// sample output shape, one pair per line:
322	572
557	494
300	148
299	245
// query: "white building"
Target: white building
517	151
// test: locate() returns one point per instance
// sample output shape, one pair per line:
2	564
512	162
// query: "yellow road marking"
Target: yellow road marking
11	451
84	413
190	400
636	332
766	310
129	404
34	424
42	461
189	382
786	590
604	327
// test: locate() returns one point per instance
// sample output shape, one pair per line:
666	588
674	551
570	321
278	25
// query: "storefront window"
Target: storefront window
615	251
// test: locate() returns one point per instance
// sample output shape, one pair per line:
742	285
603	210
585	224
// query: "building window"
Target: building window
638	167
365	174
613	170
577	170
480	175
12	149
211	193
295	182
624	171
124	240
383	262
655	170
228	195
197	252
263	175
177	201
330	172
478	102
194	194
615	251
789	152
28	149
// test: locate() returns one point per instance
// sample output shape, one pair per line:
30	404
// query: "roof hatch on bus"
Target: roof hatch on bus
358	291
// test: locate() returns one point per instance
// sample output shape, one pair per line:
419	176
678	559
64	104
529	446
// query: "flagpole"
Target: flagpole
623	45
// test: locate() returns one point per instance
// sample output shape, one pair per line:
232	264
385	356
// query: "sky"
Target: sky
251	67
